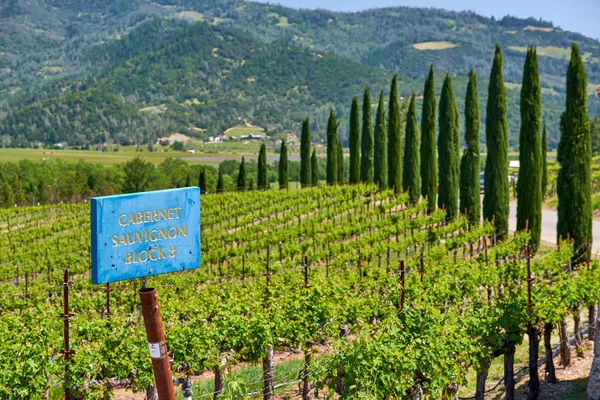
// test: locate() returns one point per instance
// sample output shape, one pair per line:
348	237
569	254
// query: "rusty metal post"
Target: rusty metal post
529	281
108	290
157	344
422	257
66	316
402	272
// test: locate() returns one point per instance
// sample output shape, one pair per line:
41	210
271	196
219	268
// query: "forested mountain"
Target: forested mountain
197	77
127	71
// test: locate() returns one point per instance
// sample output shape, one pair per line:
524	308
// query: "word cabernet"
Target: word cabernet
153	253
142	217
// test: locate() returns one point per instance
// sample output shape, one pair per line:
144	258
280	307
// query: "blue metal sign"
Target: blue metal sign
144	234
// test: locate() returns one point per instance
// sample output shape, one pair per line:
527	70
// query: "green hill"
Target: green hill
202	77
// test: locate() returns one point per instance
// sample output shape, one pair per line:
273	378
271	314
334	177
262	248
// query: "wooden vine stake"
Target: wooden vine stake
533	333
267	277
268	375
305	259
401	281
67	352
422	260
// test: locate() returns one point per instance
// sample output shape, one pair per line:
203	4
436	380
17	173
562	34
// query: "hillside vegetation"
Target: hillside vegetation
215	64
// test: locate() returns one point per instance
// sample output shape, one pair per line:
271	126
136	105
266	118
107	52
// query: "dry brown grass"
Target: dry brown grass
434	45
537	28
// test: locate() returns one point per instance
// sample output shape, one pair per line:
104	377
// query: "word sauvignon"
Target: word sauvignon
153	253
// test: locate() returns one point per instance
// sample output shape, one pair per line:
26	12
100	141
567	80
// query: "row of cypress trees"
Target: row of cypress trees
574	156
309	168
396	154
391	153
262	181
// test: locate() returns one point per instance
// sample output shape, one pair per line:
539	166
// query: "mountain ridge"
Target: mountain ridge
69	54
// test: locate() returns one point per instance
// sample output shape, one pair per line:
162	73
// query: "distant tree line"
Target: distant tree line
31	182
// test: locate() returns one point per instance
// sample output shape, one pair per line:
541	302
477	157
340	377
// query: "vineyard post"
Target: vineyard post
494	226
133	302
268	375
305	259
267	275
220	268
402	284
588	250
243	266
48	278
108	290
485	249
26	287
66	316
532	331
157	344
422	257
388	258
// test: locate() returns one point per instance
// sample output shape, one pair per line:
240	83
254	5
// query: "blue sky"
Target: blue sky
581	16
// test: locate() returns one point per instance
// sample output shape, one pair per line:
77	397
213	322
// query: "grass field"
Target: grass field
281	21
112	158
190	15
511	85
537	28
238	131
434	45
552	51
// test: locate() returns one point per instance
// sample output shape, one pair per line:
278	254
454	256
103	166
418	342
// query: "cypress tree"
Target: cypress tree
380	161
394	139
241	180
449	150
262	168
411	172
188	181
251	184
429	171
496	196
340	162
332	149
283	166
403	115
544	162
469	164
202	182
366	145
529	185
573	184
305	174
354	175
220	183
314	168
